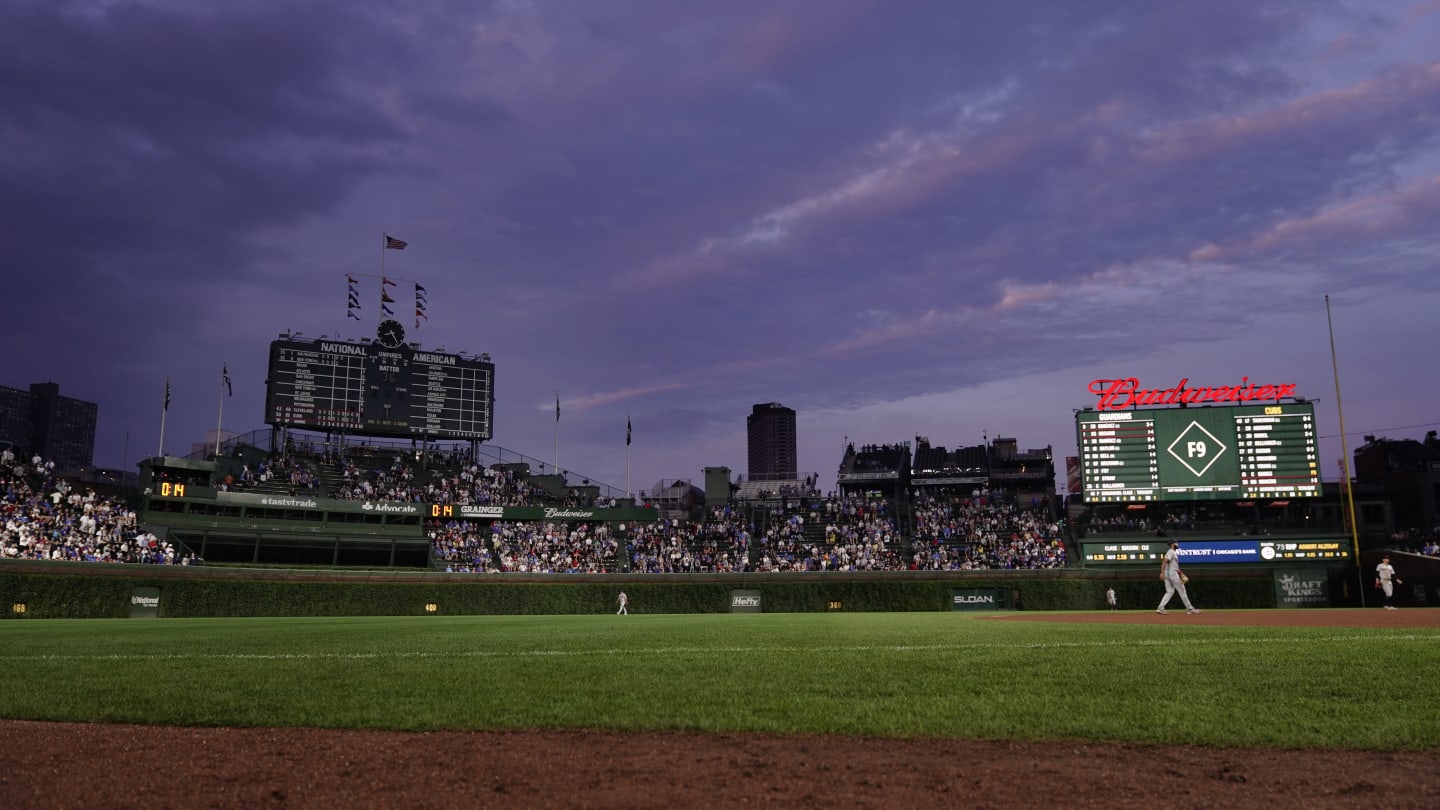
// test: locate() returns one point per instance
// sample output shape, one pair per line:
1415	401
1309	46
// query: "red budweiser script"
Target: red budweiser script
1121	395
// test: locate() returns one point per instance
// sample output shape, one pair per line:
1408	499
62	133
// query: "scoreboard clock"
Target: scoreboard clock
390	334
381	388
1205	453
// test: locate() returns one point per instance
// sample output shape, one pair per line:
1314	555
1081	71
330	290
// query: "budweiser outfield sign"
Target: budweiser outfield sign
1123	395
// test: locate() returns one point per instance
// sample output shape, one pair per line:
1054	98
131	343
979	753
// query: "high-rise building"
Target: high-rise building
41	421
770	429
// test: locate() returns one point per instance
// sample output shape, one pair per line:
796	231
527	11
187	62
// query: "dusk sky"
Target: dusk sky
897	218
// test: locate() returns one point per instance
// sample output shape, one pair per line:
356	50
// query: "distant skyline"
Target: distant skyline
897	217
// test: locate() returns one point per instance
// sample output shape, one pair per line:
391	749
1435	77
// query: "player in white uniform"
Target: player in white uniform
624	604
1386	580
1171	576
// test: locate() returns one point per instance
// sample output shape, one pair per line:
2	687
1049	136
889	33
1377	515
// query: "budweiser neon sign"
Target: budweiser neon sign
1122	395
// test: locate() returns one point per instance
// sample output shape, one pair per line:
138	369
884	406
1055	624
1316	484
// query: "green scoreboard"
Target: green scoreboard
1199	453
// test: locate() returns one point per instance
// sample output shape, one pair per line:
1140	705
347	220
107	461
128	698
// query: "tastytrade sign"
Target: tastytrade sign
1122	395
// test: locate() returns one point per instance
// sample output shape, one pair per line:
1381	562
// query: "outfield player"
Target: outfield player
1174	580
624	604
1386	580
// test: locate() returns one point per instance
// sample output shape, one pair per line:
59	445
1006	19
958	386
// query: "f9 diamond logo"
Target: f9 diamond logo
1197	448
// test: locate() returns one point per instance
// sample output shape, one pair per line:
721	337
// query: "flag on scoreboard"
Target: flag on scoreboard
352	295
420	305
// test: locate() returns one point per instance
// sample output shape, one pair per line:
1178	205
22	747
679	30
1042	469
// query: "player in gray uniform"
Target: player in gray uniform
1174	580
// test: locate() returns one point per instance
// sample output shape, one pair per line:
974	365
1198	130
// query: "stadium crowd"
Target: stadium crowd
846	533
45	517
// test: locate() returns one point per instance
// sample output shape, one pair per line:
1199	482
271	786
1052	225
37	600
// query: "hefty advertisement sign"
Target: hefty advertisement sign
746	601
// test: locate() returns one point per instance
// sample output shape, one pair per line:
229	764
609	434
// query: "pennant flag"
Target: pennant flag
351	279
627	431
225	373
167	393
385	297
387	310
385	282
420	313
352	314
354	302
419	291
391	243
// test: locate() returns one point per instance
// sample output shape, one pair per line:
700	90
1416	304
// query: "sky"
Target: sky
900	218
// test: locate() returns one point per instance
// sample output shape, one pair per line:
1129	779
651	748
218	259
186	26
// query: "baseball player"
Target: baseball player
1174	580
1386	580
624	604
1110	598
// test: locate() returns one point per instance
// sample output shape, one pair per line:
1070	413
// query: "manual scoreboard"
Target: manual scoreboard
1205	453
369	389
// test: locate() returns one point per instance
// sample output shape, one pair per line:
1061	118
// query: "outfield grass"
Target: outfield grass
881	674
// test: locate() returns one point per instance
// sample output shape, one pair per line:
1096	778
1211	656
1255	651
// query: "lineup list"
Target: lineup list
1278	455
316	389
1267	451
451	400
1121	463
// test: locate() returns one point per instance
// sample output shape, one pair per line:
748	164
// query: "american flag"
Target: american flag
391	243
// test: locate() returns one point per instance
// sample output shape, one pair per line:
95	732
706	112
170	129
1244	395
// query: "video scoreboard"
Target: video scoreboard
1205	453
368	389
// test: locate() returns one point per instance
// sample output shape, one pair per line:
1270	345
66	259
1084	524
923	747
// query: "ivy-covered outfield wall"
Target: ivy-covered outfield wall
79	590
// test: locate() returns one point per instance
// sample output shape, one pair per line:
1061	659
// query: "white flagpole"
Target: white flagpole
557	433
1345	460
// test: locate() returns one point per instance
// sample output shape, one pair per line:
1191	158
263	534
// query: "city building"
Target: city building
770	430
60	429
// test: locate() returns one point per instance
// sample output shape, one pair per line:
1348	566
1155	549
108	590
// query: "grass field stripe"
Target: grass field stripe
888	648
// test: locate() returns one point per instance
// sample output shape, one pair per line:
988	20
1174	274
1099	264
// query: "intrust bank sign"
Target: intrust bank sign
1125	394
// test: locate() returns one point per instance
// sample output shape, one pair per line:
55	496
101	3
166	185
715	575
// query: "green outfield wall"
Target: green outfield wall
36	590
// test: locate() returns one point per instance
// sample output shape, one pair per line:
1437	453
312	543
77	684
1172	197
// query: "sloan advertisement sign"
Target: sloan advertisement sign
978	599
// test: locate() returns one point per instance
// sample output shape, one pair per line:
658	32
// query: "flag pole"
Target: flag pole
627	457
557	433
1345	460
164	409
221	419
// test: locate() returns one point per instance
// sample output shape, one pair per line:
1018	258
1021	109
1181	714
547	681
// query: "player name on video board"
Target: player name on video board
1206	453
372	390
